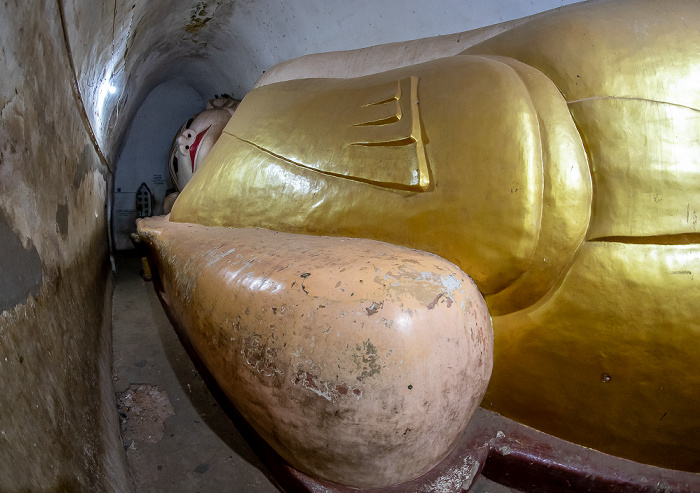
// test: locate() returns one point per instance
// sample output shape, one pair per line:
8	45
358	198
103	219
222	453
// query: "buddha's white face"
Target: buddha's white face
196	137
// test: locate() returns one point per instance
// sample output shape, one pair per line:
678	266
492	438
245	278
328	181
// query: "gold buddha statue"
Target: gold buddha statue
558	164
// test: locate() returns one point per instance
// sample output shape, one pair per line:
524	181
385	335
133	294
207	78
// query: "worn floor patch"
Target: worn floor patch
143	411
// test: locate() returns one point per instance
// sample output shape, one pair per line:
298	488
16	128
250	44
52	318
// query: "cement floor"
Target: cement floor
176	436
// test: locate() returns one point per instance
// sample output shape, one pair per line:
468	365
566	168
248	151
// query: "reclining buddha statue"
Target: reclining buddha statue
555	161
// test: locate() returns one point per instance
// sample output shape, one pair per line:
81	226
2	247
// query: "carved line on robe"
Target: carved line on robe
628	98
678	239
387	185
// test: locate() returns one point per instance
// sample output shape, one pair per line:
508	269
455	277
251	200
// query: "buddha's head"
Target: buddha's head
196	137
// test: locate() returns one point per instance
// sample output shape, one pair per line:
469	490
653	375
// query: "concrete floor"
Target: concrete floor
176	435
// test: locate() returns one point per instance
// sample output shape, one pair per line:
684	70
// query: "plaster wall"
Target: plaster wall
58	427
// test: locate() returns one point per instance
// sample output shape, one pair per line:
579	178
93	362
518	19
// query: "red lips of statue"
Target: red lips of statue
195	146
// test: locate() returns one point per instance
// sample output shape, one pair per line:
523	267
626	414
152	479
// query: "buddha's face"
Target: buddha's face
196	137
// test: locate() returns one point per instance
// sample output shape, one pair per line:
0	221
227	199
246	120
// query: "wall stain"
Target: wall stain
62	219
20	268
85	165
198	19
